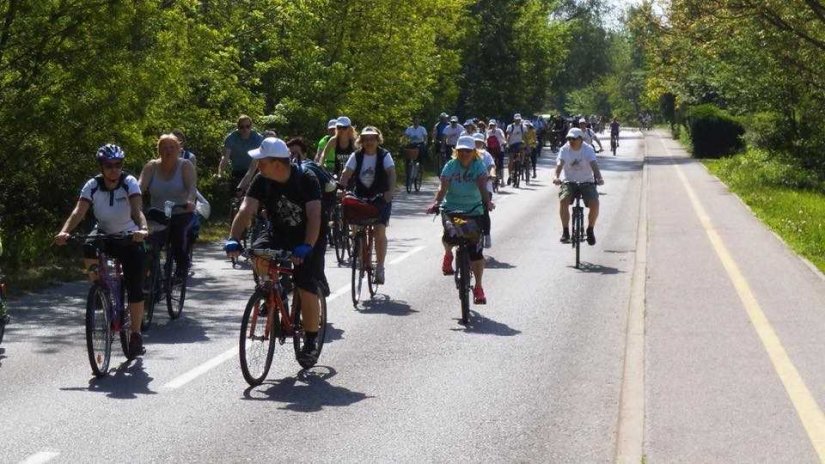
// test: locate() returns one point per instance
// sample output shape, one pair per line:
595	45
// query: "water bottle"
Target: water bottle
167	208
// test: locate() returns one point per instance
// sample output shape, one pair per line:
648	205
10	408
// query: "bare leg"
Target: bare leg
564	212
310	310
380	244
478	270
592	213
136	313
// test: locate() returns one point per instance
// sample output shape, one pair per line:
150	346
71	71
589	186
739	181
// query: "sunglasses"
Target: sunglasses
112	165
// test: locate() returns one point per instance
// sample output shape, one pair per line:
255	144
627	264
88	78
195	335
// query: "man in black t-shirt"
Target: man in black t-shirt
292	199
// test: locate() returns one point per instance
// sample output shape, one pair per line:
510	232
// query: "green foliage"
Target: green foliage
714	132
770	130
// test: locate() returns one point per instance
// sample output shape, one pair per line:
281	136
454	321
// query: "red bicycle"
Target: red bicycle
268	320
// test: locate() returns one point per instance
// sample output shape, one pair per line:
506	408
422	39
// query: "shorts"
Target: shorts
588	192
131	256
514	147
384	212
309	275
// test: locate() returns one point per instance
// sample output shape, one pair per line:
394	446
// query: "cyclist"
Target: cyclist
469	127
437	135
496	141
531	145
576	162
490	166
171	178
416	138
115	200
235	148
342	144
297	149
614	132
515	136
373	171
588	135
329	161
451	134
464	188
292	198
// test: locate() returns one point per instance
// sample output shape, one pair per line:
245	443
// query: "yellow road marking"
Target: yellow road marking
806	407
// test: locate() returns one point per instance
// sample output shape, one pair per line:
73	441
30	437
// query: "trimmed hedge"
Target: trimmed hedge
714	132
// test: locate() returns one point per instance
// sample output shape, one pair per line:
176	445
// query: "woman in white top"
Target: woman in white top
115	200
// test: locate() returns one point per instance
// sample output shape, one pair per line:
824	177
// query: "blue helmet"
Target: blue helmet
110	152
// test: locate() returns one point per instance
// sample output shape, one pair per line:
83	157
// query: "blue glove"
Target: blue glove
302	251
232	245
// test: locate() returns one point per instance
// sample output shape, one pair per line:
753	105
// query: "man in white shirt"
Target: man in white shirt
515	135
575	164
451	135
589	135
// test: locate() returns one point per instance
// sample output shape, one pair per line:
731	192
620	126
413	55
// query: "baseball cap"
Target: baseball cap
271	147
370	130
479	137
466	142
332	123
443	115
517	116
492	122
575	133
343	121
582	120
453	118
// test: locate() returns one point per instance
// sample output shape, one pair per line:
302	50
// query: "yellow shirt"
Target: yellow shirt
530	138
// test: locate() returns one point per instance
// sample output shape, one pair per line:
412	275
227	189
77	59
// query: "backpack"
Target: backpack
121	183
324	177
492	143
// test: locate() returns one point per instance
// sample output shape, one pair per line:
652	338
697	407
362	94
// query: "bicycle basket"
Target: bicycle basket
461	228
358	211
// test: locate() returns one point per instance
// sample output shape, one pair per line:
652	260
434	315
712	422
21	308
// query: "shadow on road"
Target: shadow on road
478	324
308	391
619	165
125	383
382	304
493	263
333	333
591	268
663	160
2	356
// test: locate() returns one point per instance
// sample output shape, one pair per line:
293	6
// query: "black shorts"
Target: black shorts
131	256
309	275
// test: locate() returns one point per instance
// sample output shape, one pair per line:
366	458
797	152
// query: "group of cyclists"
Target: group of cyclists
292	188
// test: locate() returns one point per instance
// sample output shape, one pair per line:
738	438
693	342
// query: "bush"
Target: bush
771	131
713	132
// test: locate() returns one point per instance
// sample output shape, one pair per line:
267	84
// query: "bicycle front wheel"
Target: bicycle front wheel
463	272
176	281
357	269
259	327
98	330
299	334
578	222
368	260
418	177
152	292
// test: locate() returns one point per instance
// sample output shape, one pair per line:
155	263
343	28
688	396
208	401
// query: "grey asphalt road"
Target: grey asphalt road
536	377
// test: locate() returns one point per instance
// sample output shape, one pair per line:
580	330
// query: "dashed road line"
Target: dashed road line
40	457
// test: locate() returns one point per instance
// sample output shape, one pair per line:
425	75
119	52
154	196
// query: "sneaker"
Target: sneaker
447	264
488	242
478	296
591	238
509	180
565	236
378	278
534	175
136	345
309	352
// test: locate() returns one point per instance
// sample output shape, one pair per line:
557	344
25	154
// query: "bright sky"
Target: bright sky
616	10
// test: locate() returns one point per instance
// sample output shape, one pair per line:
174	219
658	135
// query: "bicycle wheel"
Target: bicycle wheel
419	177
357	269
369	261
125	323
577	233
98	330
151	292
516	175
526	172
259	327
463	273
408	182
338	235
299	335
176	282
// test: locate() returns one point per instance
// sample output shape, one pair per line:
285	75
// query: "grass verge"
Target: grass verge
789	199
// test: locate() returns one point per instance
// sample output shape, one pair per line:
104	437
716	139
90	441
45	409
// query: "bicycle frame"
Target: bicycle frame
271	285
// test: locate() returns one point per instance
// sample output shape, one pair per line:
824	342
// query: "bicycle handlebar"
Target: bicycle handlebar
279	255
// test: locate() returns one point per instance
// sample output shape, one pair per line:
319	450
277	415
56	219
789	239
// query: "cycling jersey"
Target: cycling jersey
112	208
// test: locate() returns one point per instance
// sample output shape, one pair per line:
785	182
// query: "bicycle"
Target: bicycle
268	318
361	216
614	143
105	311
462	231
515	176
4	315
340	233
413	169
525	168
170	282
577	231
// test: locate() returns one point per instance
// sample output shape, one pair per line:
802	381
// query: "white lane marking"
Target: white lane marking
41	457
198	371
405	256
202	369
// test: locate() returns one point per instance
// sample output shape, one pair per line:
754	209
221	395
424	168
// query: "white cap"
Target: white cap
466	142
271	147
443	115
575	133
332	123
370	130
528	123
517	116
454	119
492	123
343	121
468	122
582	120
479	137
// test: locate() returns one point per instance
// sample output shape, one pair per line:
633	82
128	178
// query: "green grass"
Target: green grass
789	199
